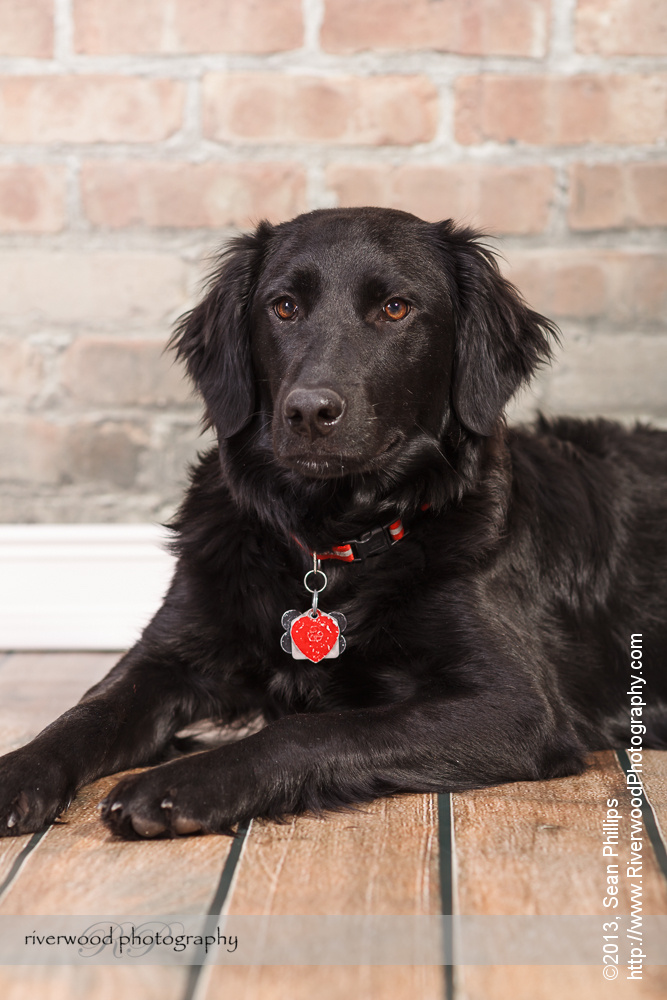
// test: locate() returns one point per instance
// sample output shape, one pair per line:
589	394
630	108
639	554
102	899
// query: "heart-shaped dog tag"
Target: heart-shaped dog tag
290	646
314	634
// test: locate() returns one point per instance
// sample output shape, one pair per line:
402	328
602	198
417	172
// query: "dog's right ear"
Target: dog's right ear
214	338
500	341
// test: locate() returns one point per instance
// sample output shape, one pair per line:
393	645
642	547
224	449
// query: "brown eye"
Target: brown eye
396	309
285	309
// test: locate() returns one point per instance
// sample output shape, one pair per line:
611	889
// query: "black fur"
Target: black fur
492	644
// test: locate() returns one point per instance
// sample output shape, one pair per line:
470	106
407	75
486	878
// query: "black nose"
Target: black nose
313	412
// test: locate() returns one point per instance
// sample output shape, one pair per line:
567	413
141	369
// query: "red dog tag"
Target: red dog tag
315	634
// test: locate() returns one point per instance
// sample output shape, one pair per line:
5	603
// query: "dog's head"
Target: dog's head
348	334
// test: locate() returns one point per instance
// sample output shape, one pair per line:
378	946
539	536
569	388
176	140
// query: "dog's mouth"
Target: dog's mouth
334	465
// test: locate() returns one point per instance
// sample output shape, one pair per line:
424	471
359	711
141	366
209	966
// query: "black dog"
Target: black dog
486	582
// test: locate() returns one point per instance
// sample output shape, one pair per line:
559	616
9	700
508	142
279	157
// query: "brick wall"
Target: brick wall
136	134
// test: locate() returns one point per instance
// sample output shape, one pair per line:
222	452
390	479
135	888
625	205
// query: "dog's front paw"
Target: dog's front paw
33	792
171	800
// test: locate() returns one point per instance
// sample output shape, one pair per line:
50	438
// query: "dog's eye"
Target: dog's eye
396	309
285	309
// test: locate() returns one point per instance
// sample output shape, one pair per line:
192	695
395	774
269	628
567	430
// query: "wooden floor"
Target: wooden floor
529	848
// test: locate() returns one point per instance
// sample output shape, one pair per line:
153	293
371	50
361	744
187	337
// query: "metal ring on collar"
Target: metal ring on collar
315	572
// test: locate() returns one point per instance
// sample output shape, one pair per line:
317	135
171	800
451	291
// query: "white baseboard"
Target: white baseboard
80	586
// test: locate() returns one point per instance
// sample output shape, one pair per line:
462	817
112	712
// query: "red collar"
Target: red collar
371	543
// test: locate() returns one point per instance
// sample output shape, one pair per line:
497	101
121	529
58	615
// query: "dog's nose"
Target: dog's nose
313	412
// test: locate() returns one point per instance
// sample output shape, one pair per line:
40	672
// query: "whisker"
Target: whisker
435	444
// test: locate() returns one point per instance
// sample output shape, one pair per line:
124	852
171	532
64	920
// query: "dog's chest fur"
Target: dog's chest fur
247	575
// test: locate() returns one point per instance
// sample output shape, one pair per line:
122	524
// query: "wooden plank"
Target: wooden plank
554	982
72	982
655	784
324	982
536	848
379	859
78	868
34	689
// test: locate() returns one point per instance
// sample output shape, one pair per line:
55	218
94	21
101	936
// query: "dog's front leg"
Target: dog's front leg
122	722
319	761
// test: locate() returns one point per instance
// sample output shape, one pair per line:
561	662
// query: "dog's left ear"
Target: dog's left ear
214	338
500	342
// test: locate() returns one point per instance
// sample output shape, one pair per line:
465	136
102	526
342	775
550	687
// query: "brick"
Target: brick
499	198
89	109
268	107
639	293
104	453
621	27
610	374
617	196
597	196
476	27
120	371
621	288
560	284
21	368
628	108
29	450
180	26
32	199
98	288
177	443
27	28
127	193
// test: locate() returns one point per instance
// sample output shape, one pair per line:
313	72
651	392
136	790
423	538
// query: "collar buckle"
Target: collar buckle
374	542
